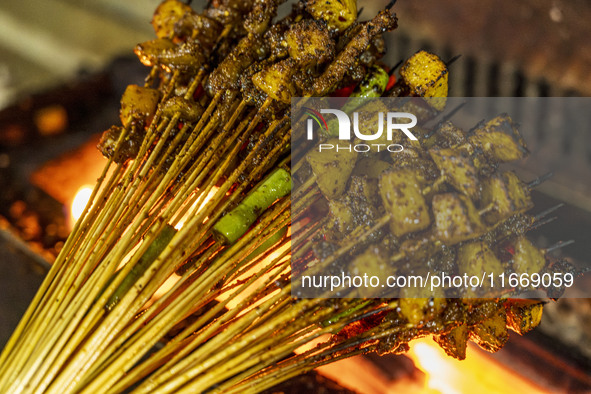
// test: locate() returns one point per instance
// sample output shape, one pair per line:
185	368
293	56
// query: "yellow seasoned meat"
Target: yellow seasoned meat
456	218
257	21
449	135
166	15
332	169
189	111
426	75
227	74
138	104
371	118
372	262
401	192
496	200
200	28
338	14
309	43
348	58
187	56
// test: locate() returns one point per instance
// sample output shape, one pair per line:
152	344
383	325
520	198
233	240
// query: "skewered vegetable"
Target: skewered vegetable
401	193
426	76
332	170
374	83
338	14
142	265
456	218
236	222
138	105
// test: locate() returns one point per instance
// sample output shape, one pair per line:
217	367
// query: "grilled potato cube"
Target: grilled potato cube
341	215
518	192
491	334
527	258
496	196
454	342
372	168
166	15
189	111
373	262
200	28
338	14
138	104
504	195
475	258
426	76
150	51
523	315
364	188
458	170
456	218
401	193
309	43
332	168
419	310
449	135
276	80
499	140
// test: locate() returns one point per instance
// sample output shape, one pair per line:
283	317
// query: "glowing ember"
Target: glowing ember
79	202
478	373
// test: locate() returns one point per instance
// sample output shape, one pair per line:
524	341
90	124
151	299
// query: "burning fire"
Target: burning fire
79	203
478	373
441	374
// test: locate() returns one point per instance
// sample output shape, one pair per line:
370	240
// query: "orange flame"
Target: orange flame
79	202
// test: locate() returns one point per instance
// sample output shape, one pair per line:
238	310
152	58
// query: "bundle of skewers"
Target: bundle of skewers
177	277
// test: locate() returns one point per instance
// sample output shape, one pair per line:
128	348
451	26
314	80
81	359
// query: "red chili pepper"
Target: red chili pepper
198	93
344	92
391	82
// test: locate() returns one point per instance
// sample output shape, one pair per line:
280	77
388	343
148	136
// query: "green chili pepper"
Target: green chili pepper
232	226
142	265
373	85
